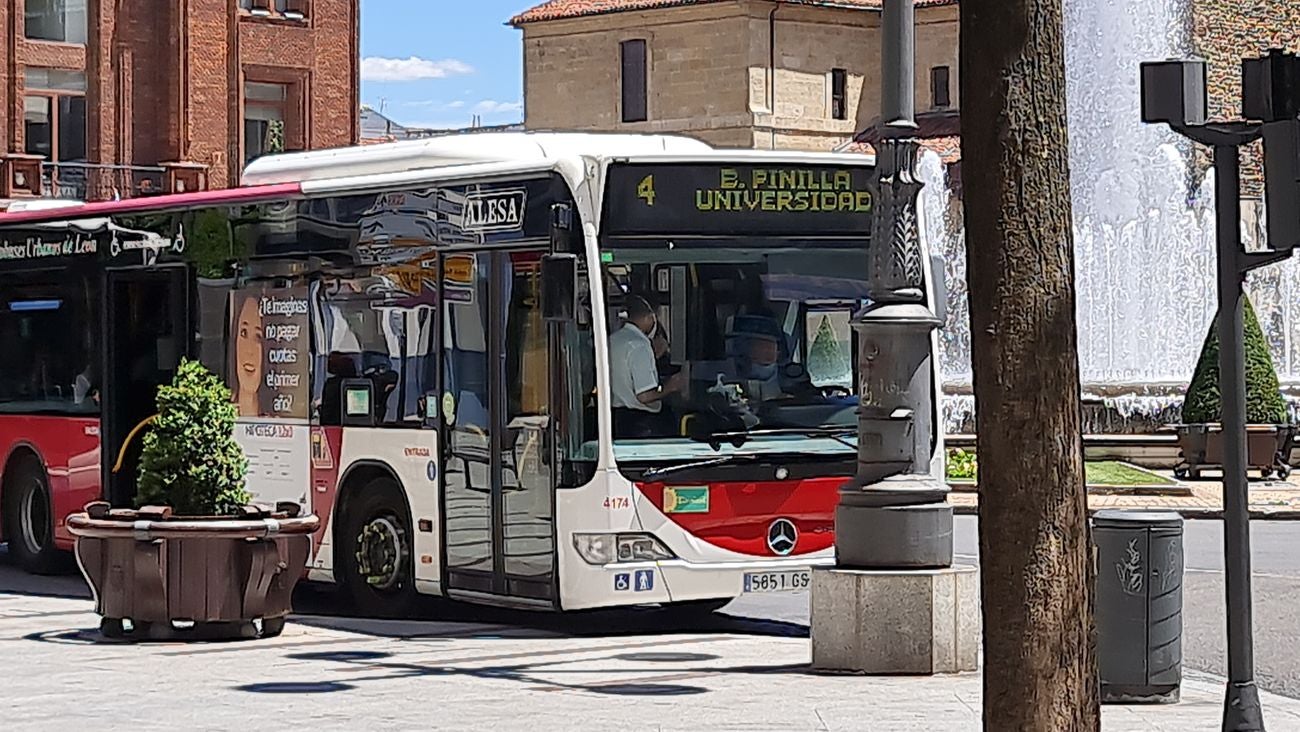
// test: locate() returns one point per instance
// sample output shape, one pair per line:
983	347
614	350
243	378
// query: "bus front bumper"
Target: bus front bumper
679	581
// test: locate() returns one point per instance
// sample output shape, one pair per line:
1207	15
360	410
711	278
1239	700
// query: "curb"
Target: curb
1190	513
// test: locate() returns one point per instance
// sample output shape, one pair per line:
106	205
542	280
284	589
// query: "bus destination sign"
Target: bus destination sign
766	199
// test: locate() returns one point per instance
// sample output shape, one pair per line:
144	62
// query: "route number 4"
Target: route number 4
646	190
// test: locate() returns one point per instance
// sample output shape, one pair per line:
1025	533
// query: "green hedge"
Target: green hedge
1264	402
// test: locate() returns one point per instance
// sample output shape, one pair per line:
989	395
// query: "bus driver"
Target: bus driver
635	391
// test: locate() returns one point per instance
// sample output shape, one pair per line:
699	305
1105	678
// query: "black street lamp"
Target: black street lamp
894	514
1174	93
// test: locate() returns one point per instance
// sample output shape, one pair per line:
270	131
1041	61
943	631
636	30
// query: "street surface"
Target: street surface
605	670
1276	567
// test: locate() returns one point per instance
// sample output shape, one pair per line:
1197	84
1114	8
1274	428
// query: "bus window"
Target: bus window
745	342
577	359
50	359
367	328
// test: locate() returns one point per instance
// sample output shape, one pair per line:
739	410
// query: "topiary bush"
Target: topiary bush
1264	402
191	461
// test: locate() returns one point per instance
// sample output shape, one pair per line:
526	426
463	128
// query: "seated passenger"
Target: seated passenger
757	369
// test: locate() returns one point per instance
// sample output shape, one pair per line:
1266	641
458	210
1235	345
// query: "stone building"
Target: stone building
737	73
800	74
108	99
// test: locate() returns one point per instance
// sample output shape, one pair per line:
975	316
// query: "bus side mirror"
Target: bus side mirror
559	287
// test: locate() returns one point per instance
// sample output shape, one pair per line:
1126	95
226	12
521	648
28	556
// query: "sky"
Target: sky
437	63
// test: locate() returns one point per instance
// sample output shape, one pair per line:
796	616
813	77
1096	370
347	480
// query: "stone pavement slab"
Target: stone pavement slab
350	674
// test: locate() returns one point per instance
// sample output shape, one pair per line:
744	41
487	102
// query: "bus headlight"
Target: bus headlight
612	548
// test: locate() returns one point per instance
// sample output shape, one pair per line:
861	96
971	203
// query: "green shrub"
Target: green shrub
1264	402
961	464
191	461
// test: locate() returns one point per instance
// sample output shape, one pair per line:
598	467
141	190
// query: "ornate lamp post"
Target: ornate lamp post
894	603
895	514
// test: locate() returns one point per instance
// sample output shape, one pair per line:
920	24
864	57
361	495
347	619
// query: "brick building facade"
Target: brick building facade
1224	32
106	99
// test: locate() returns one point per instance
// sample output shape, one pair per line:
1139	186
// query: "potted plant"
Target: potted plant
194	559
1268	432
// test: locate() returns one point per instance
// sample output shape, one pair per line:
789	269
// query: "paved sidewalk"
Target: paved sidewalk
348	674
1269	499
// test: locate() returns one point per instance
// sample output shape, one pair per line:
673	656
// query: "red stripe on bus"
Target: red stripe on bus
220	197
740	514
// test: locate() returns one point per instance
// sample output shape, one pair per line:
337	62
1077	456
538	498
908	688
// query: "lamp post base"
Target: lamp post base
877	622
1241	711
901	522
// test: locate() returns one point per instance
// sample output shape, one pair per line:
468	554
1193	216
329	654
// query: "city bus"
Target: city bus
417	336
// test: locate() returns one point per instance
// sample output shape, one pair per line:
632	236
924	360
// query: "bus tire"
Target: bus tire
375	551
29	519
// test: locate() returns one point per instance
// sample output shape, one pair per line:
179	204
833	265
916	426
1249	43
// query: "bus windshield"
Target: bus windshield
732	345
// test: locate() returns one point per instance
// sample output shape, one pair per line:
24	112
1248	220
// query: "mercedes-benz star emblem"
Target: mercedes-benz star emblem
782	536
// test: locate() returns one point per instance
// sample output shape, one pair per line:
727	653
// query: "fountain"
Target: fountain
1143	234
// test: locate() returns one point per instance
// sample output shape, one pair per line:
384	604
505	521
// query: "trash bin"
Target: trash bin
1139	605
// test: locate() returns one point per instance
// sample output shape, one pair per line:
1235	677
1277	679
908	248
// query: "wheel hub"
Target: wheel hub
34	520
380	550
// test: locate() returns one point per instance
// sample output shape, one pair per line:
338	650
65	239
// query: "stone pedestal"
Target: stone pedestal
924	621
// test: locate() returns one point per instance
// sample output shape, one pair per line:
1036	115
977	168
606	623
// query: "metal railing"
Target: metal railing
96	182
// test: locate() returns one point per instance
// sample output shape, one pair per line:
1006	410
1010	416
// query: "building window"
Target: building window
290	9
49	362
54	114
264	115
634	81
941	97
63	21
839	94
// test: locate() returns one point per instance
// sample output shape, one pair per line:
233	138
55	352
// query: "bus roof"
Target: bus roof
277	177
458	149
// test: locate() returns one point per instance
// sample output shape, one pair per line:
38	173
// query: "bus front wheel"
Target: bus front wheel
375	551
29	519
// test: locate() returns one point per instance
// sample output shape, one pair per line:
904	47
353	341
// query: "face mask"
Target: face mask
762	372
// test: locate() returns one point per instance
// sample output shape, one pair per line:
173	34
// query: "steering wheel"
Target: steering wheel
832	390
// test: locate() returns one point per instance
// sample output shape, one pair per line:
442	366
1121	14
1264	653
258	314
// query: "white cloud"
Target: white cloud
487	106
456	104
378	68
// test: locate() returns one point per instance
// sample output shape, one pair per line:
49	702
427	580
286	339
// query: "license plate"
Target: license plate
788	581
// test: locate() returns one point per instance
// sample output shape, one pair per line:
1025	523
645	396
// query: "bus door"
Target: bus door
498	484
147	332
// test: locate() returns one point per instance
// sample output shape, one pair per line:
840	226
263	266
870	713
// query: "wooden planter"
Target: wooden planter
157	576
1268	447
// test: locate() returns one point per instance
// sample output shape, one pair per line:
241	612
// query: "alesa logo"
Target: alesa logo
494	211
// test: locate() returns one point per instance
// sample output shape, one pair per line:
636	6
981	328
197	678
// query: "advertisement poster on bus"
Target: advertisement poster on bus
270	380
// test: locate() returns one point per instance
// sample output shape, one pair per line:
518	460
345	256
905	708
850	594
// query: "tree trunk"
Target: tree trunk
1040	669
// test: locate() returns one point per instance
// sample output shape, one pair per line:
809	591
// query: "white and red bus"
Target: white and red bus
417	337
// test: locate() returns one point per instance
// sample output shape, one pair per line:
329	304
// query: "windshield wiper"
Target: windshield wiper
653	473
831	433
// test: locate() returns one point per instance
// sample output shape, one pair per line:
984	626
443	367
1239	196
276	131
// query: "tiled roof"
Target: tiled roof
562	9
938	131
948	148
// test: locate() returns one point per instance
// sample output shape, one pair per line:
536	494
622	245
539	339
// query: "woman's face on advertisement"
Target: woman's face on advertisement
248	346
